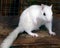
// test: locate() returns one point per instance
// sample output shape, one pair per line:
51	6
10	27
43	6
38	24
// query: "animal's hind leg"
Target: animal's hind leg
32	34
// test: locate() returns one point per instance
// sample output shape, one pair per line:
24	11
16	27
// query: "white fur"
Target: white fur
31	19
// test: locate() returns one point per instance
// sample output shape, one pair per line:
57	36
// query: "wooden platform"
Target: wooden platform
25	41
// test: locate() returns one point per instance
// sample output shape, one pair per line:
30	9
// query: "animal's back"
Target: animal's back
30	13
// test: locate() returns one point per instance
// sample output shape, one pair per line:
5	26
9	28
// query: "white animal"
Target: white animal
31	19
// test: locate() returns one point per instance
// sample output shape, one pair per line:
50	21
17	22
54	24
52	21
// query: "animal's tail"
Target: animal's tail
10	38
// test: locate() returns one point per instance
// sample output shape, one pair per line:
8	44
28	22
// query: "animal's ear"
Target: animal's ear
42	6
51	6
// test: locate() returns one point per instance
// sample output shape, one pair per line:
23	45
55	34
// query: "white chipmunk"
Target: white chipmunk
31	19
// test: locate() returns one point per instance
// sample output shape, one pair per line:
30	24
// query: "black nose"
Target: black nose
44	14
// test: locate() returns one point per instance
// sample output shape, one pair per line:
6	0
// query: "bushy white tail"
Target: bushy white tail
9	40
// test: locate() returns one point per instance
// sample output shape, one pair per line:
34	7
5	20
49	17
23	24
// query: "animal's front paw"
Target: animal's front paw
52	33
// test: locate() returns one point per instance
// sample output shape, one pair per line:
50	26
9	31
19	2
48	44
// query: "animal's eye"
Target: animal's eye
44	14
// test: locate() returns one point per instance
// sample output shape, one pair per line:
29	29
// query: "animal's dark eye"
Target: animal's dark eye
44	14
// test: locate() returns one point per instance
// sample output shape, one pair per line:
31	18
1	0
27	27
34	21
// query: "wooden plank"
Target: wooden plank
44	40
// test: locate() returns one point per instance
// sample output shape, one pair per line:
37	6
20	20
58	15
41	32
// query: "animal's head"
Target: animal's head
47	11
